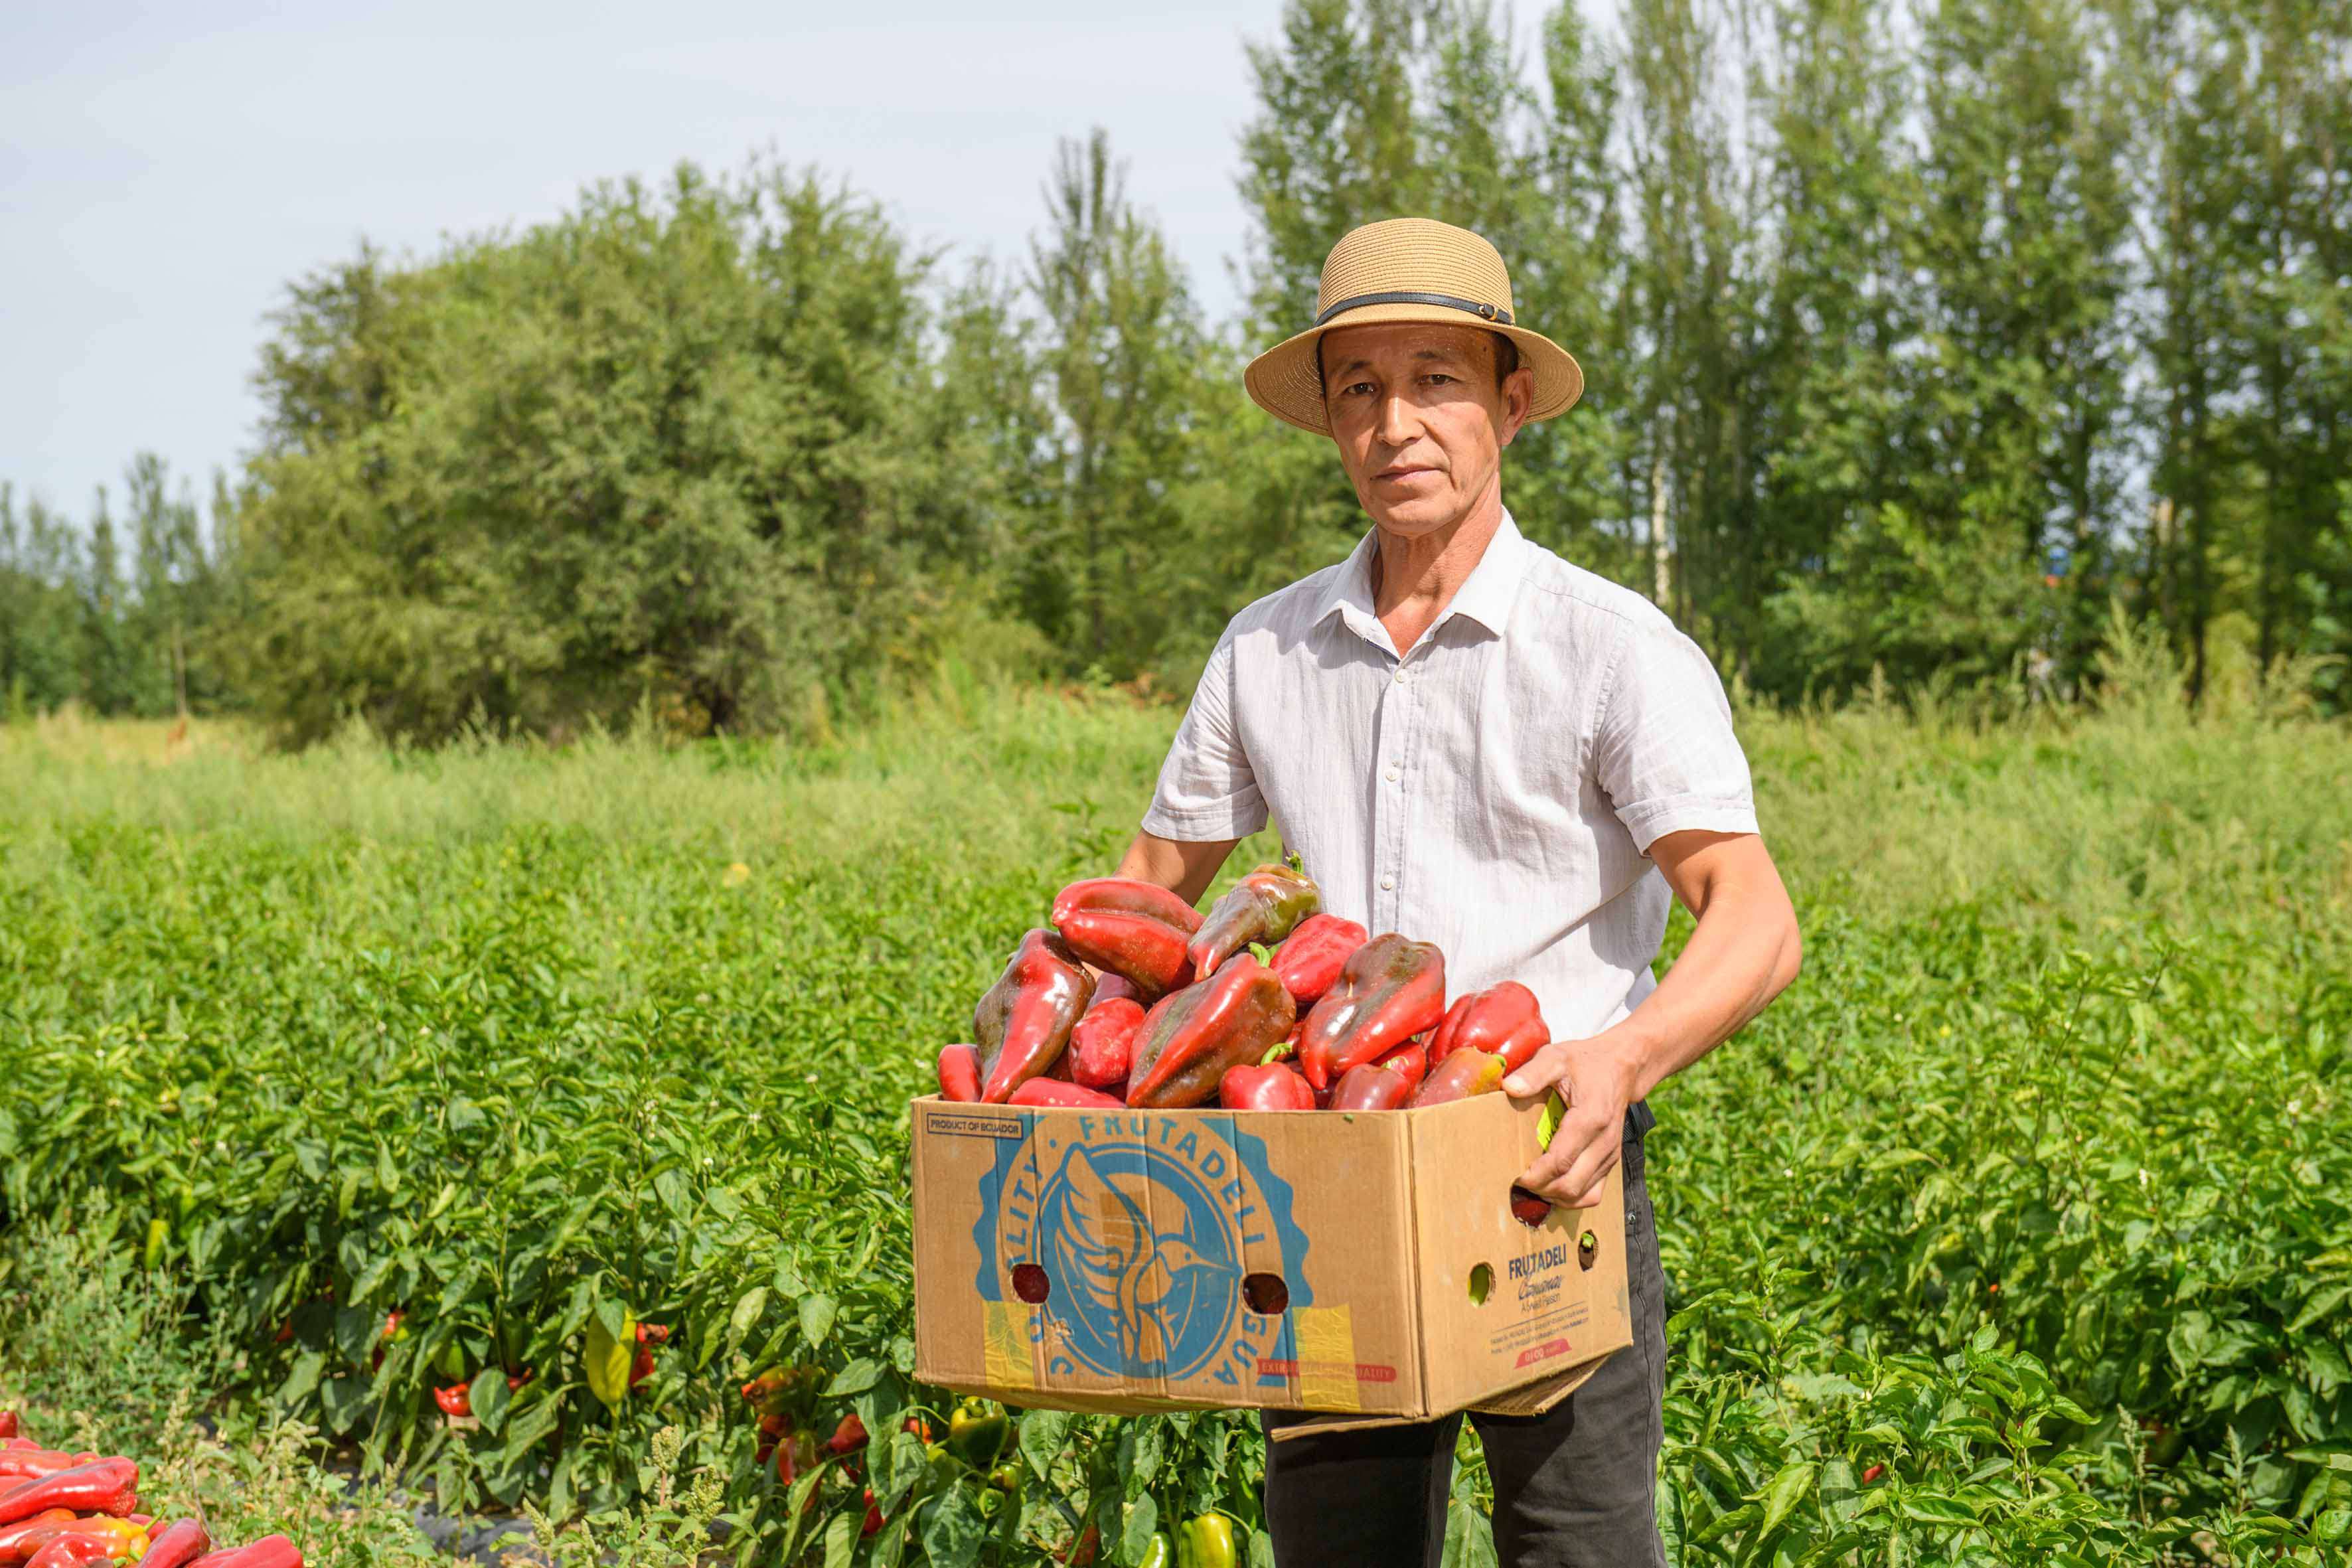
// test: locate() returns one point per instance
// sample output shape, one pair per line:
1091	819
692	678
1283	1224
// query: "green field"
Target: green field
2019	1230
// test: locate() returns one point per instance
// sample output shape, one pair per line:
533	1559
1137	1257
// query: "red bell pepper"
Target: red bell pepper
872	1525
1506	1019
1025	1020
1368	1085
1464	1073
1272	1086
73	1552
1263	906
103	1486
1109	986
1043	1092
115	1536
1408	1062
1389	990
12	1537
847	1438
1191	1038
1310	961
177	1545
7	1424
457	1399
23	1463
960	1073
1102	1044
1139	929
269	1552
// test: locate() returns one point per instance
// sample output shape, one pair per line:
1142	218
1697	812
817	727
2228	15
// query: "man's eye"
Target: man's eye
1437	375
1355	387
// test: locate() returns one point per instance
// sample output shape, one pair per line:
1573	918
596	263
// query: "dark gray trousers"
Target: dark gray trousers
1574	1488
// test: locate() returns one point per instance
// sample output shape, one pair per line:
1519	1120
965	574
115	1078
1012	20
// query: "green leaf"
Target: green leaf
894	1479
748	1307
952	1537
841	1539
1043	1434
1789	1487
817	1310
302	1378
1931	1508
1135	1534
490	1398
856	1378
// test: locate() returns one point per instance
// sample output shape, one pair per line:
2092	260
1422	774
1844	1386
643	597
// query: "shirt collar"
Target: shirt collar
1486	597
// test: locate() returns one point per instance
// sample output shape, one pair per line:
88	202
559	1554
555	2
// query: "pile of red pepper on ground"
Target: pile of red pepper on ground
60	1511
1135	998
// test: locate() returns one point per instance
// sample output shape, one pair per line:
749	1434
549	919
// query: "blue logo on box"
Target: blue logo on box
1144	1226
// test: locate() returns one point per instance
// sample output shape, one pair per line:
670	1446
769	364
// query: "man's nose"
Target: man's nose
1399	422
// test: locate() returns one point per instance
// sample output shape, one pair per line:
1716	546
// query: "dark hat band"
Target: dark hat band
1494	313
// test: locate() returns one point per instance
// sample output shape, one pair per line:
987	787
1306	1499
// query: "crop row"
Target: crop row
1999	1255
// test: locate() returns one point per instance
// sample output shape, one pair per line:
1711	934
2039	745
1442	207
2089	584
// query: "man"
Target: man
1471	741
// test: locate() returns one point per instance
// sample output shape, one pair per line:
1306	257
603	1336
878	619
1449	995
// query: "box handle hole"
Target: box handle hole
1266	1294
1482	1285
1588	1247
1528	1209
1029	1283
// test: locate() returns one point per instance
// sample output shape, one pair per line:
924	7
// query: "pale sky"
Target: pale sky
166	169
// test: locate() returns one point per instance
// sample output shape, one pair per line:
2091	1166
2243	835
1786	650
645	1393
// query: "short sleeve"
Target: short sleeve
1664	750
1207	790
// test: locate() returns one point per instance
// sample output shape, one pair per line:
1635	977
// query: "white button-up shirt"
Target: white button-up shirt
1494	789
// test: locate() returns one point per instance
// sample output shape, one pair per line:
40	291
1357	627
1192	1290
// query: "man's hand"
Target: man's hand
1600	1079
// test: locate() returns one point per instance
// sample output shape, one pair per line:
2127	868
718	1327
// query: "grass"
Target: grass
2053	1123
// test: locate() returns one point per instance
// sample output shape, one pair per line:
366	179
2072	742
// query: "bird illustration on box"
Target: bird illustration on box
1116	1270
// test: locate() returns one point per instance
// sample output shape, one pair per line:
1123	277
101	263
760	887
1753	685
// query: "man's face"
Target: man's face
1419	423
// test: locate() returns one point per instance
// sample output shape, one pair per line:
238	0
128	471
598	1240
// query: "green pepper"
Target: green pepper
1206	1542
1157	1555
976	1433
1265	906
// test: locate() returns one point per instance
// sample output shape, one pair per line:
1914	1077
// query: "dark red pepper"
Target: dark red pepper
1050	1093
1460	1076
960	1073
1506	1019
30	1461
1102	1044
102	1486
7	1424
1408	1062
1190	1039
1139	929
269	1552
176	1545
872	1525
1309	961
1025	1020
13	1537
847	1438
73	1552
1390	989
458	1399
1368	1085
1263	906
1276	1086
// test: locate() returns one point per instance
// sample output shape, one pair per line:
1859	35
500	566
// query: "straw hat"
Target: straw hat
1407	270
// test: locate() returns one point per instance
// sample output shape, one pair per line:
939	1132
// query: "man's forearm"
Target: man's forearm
1186	865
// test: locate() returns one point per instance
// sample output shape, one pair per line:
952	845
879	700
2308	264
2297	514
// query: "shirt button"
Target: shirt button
1400	675
1394	775
1388	884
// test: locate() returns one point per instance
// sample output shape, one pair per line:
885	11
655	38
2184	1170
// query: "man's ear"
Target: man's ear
1518	396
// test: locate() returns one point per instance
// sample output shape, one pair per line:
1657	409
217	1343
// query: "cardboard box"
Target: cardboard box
1364	1265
